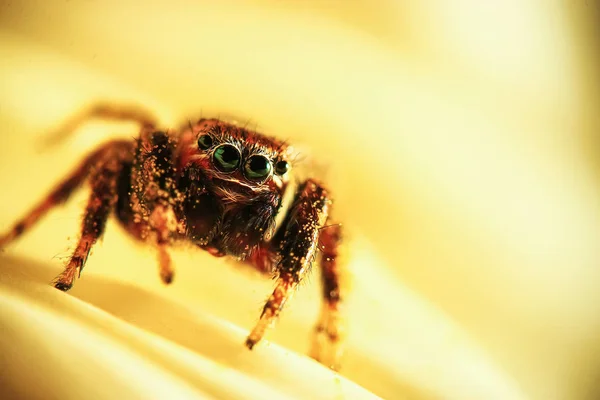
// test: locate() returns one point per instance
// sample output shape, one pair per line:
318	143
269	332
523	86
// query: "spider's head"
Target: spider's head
239	164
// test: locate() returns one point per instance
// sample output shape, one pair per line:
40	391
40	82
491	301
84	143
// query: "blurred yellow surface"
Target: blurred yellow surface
458	138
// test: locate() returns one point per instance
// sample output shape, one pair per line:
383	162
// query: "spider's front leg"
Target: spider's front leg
297	249
154	194
59	195
104	180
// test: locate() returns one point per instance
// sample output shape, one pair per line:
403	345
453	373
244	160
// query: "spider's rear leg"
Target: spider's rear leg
328	334
59	195
102	200
104	111
297	249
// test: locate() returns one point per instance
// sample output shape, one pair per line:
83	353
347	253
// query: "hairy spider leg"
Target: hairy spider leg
59	195
102	199
104	111
328	332
298	249
154	193
163	223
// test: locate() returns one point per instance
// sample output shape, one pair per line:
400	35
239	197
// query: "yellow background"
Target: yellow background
459	138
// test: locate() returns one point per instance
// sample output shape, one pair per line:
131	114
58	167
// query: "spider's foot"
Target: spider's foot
167	276
65	280
63	286
250	343
328	339
257	333
283	290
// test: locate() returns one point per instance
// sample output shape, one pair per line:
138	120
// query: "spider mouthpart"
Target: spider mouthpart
226	158
257	167
282	167
204	142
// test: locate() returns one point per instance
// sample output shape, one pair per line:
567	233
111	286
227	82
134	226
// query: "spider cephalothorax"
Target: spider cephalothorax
244	174
219	186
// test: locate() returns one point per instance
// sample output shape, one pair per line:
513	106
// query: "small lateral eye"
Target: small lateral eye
226	157
204	142
257	167
282	167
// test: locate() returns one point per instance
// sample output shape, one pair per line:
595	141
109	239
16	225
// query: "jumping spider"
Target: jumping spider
218	186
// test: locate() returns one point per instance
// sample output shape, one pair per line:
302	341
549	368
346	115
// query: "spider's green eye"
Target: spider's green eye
204	142
257	167
226	157
282	167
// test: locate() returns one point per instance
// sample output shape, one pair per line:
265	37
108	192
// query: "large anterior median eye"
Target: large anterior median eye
257	167
226	157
